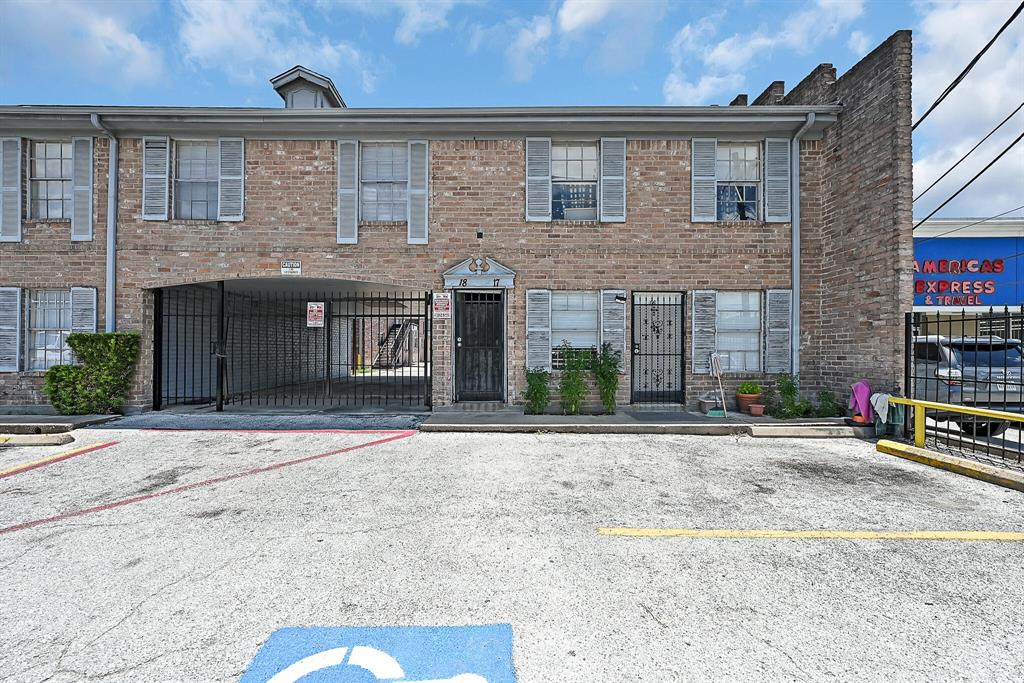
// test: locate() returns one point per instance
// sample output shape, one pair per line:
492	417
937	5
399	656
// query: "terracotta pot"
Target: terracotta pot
756	409
745	400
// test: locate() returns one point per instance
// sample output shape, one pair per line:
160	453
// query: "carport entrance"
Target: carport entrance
292	343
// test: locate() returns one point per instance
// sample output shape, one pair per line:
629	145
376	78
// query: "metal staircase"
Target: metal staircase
391	352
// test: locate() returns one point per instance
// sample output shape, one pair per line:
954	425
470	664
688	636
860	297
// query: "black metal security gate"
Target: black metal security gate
658	370
479	346
291	348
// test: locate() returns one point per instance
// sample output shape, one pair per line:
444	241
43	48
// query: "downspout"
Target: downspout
112	177
794	159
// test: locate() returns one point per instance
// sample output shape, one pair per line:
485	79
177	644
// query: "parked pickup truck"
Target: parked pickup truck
974	371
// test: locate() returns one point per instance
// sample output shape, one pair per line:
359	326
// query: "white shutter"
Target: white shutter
776	180
155	165
703	181
231	182
613	180
417	194
777	333
81	189
10	329
538	329
538	179
705	330
613	322
83	309
348	192
10	190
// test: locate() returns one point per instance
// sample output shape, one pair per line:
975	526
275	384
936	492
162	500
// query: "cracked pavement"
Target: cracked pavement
448	529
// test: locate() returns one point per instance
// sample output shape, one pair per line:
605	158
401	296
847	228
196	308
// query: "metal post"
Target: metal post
908	364
158	348
328	327
919	426
221	345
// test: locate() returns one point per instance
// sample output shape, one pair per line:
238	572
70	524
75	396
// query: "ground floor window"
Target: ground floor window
48	327
574	321
738	321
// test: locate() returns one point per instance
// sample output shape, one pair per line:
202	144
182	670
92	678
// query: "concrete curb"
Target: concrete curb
698	429
11	440
950	463
57	425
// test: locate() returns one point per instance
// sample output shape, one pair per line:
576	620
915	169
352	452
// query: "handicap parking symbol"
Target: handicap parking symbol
401	654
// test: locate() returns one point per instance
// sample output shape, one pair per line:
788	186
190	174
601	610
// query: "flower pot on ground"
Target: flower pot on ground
748	394
756	409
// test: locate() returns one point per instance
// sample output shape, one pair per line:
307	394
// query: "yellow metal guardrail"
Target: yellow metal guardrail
921	406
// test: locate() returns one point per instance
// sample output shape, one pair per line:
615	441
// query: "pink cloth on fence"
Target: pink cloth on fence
860	400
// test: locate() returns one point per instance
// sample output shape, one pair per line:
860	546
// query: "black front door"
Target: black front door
659	359
479	346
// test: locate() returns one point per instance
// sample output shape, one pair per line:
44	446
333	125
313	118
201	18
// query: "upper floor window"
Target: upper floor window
50	180
196	168
574	181
384	177
738	170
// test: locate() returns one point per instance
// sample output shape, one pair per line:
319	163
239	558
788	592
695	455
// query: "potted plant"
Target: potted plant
757	409
748	393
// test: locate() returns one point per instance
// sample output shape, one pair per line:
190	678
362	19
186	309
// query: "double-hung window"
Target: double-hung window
49	324
738	170
738	320
50	180
384	180
574	177
575	321
196	169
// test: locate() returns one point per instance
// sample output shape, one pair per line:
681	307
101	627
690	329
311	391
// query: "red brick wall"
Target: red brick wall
858	247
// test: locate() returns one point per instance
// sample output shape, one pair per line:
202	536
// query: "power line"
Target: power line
970	65
968	183
969	225
950	169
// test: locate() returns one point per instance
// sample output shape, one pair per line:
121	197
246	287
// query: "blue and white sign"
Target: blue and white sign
968	272
403	654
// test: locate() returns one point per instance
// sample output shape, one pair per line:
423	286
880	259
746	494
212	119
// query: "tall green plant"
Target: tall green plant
101	381
606	374
538	394
571	387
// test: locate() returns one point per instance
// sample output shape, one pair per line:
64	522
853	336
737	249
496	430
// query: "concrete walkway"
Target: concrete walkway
48	424
631	421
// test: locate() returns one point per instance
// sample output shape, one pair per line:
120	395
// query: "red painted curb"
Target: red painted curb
201	484
35	466
278	431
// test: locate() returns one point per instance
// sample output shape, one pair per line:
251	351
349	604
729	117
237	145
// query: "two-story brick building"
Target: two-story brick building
325	255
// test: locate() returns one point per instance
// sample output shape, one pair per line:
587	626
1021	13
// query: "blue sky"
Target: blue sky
485	52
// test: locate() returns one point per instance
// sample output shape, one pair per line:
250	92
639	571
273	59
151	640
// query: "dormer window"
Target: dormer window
302	88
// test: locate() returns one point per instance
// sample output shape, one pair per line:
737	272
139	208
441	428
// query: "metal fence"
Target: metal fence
313	349
973	360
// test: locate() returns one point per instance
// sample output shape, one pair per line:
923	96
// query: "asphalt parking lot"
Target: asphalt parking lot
175	555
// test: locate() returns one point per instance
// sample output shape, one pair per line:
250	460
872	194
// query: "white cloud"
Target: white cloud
859	43
94	40
721	63
418	17
576	15
949	35
528	48
251	40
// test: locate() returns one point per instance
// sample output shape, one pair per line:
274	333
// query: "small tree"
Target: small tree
606	374
572	387
538	394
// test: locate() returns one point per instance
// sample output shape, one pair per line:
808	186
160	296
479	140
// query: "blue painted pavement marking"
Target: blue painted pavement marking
401	654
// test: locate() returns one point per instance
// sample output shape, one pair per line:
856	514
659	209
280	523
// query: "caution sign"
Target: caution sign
443	306
314	314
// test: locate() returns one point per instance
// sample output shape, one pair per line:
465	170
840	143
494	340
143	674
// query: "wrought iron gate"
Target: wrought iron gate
658	370
272	348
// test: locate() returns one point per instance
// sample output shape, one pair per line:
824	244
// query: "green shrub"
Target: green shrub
749	388
101	381
828	406
784	401
538	395
606	375
571	387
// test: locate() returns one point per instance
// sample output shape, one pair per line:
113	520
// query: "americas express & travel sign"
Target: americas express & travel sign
958	272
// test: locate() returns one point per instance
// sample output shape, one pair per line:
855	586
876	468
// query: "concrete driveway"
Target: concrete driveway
174	555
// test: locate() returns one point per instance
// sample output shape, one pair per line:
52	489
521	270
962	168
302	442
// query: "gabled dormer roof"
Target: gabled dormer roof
300	78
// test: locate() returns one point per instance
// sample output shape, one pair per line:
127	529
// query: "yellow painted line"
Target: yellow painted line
52	458
817	533
4	439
